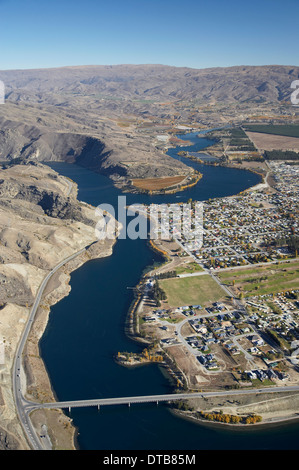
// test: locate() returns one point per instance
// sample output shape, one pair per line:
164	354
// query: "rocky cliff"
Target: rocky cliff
41	223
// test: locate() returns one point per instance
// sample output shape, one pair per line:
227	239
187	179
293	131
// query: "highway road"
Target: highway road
20	401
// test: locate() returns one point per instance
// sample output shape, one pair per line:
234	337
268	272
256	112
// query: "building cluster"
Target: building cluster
268	331
246	229
278	315
263	375
249	228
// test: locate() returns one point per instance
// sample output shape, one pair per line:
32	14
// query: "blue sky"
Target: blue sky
191	33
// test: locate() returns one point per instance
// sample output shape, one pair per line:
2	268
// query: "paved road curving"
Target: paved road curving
20	401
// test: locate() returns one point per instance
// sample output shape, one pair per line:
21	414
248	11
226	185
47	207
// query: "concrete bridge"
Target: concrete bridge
30	406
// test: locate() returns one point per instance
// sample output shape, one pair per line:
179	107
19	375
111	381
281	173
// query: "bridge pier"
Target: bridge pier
99	407
129	404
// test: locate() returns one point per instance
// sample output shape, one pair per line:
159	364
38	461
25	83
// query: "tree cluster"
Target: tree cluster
158	293
291	242
281	155
230	419
166	275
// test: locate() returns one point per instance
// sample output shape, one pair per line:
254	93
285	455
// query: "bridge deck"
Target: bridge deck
156	398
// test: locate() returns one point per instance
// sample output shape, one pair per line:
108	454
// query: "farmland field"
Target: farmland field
274	142
285	130
155	184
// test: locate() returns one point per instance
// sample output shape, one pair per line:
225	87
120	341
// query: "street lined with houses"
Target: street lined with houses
247	264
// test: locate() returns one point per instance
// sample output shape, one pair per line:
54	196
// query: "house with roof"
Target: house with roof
257	340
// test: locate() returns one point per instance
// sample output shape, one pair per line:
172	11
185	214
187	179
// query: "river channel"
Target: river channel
86	329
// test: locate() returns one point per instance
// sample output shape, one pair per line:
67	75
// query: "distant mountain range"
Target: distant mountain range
153	82
72	113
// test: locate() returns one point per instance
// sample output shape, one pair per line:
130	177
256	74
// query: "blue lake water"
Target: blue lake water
86	329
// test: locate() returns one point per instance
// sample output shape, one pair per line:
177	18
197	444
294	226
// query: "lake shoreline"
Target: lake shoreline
34	364
132	334
274	421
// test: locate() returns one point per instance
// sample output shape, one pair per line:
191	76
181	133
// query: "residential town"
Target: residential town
249	330
243	229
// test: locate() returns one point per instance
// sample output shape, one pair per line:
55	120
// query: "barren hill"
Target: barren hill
90	114
41	223
151	82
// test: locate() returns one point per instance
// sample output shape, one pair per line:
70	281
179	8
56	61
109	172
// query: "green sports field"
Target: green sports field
191	290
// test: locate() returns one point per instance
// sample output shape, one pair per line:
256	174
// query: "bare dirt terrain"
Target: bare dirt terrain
154	184
273	142
107	118
272	408
42	223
